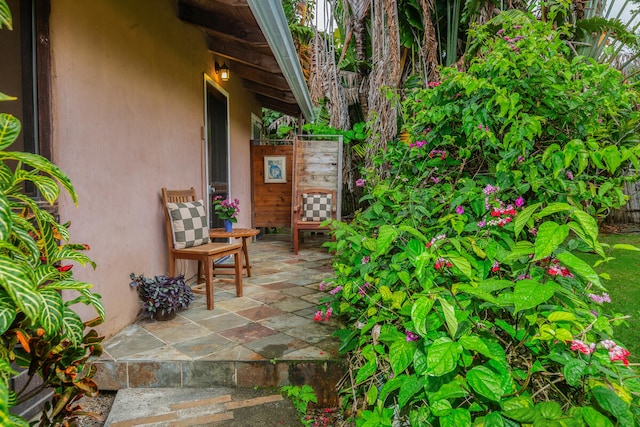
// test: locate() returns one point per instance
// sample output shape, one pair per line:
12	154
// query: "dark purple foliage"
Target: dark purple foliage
162	295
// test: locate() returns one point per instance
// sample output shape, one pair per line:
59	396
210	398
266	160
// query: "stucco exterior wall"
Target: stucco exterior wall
128	101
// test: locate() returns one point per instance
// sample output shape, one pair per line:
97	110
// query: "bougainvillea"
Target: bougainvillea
474	306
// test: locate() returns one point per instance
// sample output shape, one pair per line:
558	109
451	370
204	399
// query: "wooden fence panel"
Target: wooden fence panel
271	201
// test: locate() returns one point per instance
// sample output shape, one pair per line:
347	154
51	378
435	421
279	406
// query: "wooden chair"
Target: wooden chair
205	253
312	207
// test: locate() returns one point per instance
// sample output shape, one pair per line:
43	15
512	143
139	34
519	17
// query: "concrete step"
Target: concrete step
322	375
188	407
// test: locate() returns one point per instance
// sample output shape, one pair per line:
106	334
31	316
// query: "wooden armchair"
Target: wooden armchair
188	238
312	207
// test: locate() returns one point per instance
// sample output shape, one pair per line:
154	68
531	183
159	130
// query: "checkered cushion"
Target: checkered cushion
189	224
316	207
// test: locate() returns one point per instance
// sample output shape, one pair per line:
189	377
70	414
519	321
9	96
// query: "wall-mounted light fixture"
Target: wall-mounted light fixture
223	70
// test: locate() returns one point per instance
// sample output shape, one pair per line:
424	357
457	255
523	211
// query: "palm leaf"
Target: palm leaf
598	26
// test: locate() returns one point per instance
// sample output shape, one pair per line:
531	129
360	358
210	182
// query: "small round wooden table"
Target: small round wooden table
236	233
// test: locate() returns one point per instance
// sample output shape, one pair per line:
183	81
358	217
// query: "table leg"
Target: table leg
246	256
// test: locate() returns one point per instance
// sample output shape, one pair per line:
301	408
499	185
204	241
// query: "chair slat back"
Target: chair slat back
174	196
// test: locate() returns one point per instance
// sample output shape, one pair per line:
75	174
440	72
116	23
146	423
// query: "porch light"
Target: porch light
223	70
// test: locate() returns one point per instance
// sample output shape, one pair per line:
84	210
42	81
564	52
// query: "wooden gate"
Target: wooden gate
318	164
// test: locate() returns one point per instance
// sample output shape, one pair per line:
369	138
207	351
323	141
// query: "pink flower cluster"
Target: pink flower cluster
335	290
495	267
418	144
442	262
431	85
225	208
555	269
322	285
323	316
490	189
360	182
616	352
600	298
512	41
362	290
411	336
438	153
582	347
503	216
435	239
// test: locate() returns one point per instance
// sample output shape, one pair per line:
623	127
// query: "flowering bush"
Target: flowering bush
466	300
226	209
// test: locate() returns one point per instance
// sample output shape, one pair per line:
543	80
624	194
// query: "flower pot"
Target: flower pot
164	315
228	225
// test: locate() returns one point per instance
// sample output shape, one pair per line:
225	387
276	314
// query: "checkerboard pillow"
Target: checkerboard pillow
316	207
189	224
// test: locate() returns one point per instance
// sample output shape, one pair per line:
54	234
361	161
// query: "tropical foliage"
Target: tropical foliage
464	300
40	330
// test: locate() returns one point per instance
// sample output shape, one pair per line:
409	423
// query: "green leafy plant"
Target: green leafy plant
40	330
161	296
301	396
464	300
226	209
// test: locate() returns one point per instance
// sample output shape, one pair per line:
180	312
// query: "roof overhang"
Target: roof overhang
253	38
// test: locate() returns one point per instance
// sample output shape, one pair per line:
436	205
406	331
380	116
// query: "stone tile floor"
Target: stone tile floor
267	337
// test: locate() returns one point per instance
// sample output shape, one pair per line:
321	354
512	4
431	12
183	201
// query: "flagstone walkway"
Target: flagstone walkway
265	338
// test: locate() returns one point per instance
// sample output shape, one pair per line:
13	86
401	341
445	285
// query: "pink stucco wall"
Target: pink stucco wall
127	80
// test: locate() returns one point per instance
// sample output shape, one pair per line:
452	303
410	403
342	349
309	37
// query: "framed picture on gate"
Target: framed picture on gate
275	169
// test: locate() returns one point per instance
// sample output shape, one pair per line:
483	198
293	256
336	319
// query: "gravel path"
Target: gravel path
99	405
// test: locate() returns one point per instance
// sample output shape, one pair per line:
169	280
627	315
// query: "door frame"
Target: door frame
211	83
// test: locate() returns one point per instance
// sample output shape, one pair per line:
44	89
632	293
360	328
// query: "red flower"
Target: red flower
441	262
619	353
577	345
64	268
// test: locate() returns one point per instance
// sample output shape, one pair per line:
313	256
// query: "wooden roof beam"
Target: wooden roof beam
275	81
243	53
284	96
221	24
277	105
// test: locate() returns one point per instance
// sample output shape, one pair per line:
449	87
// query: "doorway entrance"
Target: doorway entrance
217	133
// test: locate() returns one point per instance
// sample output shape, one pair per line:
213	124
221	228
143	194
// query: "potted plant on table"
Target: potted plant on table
226	210
162	297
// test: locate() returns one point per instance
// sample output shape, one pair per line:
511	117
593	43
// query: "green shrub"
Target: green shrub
40	331
459	283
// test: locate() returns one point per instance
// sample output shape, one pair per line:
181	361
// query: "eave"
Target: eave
254	39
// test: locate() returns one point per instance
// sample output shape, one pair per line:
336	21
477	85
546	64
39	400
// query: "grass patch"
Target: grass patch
624	288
